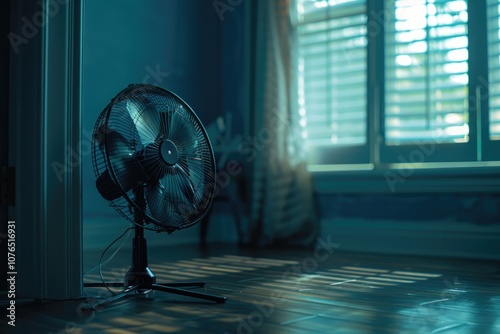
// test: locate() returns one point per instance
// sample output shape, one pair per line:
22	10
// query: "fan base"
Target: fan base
140	280
139	277
140	290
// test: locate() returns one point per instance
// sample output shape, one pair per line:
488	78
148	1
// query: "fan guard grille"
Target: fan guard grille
178	179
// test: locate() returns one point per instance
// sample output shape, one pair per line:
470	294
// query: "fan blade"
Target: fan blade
183	133
165	121
162	209
188	148
122	160
172	198
146	119
186	184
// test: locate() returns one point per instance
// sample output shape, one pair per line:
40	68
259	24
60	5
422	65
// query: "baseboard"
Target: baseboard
446	239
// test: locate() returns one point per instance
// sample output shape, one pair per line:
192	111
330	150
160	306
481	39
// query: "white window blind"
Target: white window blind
426	71
493	22
332	70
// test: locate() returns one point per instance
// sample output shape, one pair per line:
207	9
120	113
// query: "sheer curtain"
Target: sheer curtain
282	202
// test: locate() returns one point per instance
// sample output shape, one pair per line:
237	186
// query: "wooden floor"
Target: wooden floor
288	291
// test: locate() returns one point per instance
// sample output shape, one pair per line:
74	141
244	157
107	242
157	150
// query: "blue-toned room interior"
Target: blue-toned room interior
357	166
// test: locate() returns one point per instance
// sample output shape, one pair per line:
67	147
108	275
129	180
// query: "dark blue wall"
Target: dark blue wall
128	41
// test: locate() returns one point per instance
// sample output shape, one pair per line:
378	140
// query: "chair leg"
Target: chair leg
204	229
236	214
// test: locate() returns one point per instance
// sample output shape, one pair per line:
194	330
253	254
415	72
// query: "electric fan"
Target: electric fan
154	163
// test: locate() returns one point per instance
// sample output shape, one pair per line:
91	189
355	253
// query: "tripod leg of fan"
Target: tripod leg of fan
189	293
118	296
184	284
101	285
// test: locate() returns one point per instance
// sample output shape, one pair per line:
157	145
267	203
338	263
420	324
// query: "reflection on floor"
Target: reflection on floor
288	291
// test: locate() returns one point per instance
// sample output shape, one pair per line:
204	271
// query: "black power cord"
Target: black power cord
104	252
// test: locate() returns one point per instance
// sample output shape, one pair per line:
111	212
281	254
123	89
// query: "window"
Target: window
426	72
493	21
332	75
381	79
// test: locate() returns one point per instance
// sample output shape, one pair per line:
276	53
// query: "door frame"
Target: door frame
45	124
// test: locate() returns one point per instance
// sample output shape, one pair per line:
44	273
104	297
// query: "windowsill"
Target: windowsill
407	178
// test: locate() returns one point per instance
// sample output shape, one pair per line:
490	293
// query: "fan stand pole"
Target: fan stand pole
140	279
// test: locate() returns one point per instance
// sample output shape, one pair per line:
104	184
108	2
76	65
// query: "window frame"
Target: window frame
376	155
